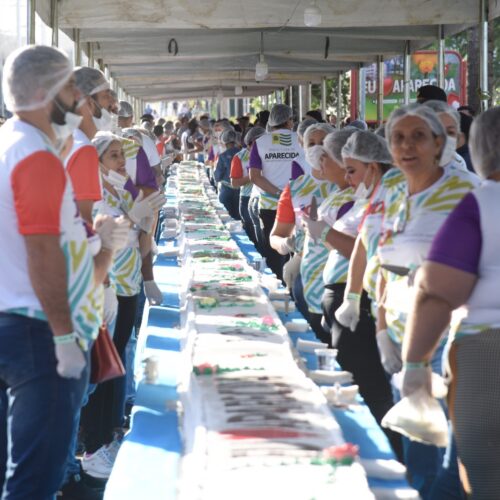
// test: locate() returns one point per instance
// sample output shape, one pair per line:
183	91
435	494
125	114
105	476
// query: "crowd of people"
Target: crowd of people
385	238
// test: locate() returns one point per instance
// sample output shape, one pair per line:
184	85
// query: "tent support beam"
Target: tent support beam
301	103
339	99
54	22
380	90
361	93
30	35
323	97
406	73
483	54
78	47
440	56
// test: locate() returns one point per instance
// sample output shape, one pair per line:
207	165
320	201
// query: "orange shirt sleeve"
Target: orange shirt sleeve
38	183
236	168
285	211
83	170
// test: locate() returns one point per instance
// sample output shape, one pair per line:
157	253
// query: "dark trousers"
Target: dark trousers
230	198
358	353
253	210
246	219
106	407
274	260
37	410
313	319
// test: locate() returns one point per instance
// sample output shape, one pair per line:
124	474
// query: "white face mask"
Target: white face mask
62	132
104	123
363	191
313	156
450	147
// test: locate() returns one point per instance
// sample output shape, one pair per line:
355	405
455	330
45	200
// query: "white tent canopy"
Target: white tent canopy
161	49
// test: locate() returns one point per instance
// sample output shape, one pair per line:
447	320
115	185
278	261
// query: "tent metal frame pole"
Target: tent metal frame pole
483	54
54	22
301	103
380	90
339	99
309	96
323	97
440	68
31	24
406	73
290	96
361	93
78	47
90	54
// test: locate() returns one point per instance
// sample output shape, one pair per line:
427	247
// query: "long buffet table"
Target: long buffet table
149	462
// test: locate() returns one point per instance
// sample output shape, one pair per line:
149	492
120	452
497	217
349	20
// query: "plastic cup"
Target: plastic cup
326	359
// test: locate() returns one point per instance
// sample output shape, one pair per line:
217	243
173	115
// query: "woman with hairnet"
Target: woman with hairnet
414	213
302	273
364	159
240	179
105	409
229	196
461	271
450	119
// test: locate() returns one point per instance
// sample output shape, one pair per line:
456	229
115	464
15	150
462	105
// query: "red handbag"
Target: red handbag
105	360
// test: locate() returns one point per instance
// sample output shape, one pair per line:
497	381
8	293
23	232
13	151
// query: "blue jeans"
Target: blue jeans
253	210
230	198
37	410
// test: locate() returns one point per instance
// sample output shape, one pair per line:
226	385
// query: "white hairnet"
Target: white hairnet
102	140
366	146
425	113
327	129
229	135
484	142
303	126
334	142
254	133
359	124
443	107
33	75
126	110
90	81
280	114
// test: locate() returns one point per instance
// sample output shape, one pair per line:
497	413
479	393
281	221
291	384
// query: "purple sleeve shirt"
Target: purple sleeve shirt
255	159
458	242
297	170
211	155
131	188
344	209
145	175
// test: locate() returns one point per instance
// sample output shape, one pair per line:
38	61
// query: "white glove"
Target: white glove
415	378
110	305
115	179
70	360
153	293
315	228
287	245
348	313
390	352
291	270
113	232
146	207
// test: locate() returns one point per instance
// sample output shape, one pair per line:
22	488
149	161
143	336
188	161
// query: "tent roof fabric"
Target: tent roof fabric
217	42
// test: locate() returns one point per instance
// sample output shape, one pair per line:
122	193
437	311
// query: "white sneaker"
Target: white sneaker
114	447
99	464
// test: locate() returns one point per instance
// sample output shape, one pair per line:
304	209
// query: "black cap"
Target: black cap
147	117
431	93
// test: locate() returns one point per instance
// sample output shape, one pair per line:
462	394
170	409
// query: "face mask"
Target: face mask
104	123
62	132
363	191
313	156
449	150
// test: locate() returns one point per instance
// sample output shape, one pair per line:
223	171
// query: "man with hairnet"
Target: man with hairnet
48	291
270	170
